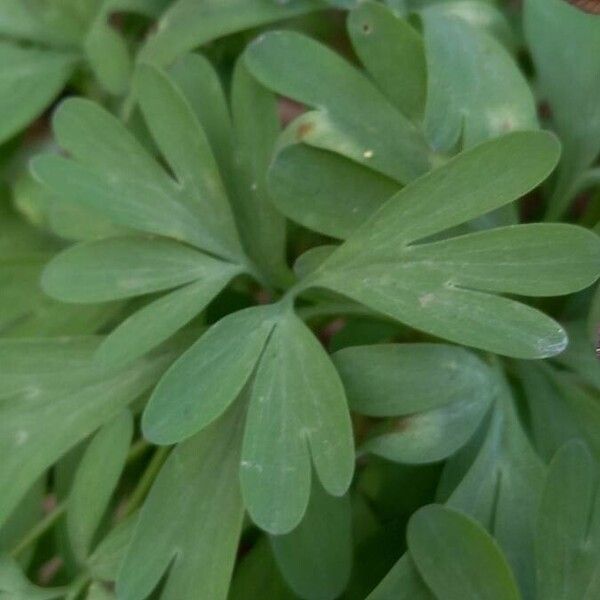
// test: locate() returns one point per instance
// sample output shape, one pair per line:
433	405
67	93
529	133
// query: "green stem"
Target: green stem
137	449
39	529
145	482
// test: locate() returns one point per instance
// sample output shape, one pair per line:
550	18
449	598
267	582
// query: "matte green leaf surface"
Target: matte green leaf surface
190	522
378	267
569	77
475	88
335	199
387	380
352	118
124	267
316	557
113	175
187	25
29	81
394	55
438	394
297	410
256	126
185	147
502	486
457	558
208	377
48	408
148	327
567	541
95	480
15	586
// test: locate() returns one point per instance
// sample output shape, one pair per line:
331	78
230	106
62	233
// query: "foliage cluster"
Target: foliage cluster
299	300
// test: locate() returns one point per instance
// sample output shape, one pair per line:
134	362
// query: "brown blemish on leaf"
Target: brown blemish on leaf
303	130
401	424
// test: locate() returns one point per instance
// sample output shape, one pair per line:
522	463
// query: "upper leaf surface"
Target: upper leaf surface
297	407
353	118
457	558
190	521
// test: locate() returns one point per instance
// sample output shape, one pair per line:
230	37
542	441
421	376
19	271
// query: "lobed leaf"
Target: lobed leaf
353	117
30	80
297	406
475	90
457	558
567	542
95	480
208	377
394	55
124	267
316	557
191	521
46	408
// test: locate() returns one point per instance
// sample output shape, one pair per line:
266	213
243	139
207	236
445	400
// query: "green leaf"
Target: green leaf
186	148
185	25
150	326
560	409
316	557
297	409
52	397
403	582
112	174
353	118
501	487
108	54
394	55
569	79
95	481
378	267
15	586
125	267
97	591
387	380
200	83
191	520
580	355
208	377
256	123
104	562
475	89
532	260
440	394
337	197
257	576
568	526
457	558
31	78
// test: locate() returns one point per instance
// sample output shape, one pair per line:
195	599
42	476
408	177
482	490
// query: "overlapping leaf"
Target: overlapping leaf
191	521
95	480
111	174
51	397
438	395
30	79
501	487
569	79
475	88
316	557
568	527
457	558
297	409
444	287
351	117
185	25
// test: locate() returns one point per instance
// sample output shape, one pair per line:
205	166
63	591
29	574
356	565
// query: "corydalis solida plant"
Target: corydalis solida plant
399	228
